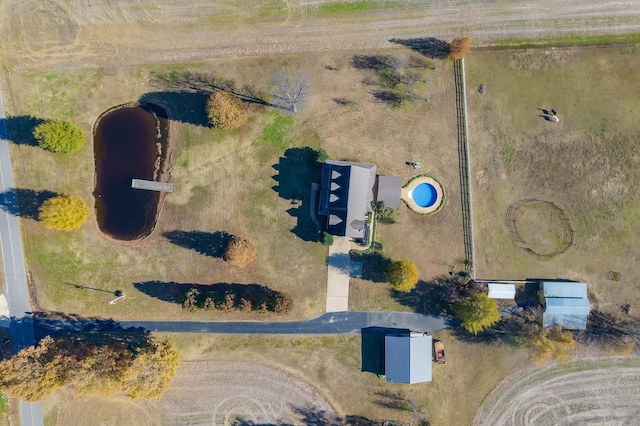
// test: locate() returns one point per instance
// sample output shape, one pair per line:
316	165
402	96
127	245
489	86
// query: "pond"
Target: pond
130	142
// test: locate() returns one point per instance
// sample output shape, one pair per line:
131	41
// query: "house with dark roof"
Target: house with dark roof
407	358
566	304
348	194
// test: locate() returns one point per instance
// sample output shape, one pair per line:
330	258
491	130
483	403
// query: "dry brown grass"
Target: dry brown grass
332	365
588	163
223	182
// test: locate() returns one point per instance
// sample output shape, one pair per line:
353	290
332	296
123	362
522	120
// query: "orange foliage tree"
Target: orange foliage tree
240	251
226	111
459	47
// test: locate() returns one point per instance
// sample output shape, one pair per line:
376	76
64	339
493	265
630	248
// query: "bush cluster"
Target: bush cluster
226	111
64	213
59	136
253	299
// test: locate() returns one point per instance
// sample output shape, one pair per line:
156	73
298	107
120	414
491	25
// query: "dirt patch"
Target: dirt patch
584	392
540	228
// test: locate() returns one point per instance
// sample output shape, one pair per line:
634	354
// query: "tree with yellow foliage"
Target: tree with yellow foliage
64	213
403	275
477	312
152	370
551	343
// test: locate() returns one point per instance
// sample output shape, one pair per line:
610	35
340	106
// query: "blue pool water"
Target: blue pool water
424	195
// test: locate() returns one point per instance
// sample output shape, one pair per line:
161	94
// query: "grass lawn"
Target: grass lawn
235	182
587	165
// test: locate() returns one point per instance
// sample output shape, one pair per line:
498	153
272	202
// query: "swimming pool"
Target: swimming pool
424	195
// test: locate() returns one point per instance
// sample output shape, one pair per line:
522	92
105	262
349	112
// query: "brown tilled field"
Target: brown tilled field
596	391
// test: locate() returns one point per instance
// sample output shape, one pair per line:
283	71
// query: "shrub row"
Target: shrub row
253	299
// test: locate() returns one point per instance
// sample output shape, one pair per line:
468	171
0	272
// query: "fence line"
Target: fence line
464	160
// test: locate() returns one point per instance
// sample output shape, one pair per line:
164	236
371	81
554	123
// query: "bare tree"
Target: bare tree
290	90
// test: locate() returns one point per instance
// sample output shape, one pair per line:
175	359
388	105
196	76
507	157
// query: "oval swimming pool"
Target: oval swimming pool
424	195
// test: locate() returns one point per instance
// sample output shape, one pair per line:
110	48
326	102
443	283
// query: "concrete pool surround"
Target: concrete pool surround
424	184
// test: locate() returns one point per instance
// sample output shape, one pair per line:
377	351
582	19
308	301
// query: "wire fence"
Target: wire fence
464	168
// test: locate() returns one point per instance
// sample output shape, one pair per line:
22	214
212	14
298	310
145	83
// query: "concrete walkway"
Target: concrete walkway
339	275
16	290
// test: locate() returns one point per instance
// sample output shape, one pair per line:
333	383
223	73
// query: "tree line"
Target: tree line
143	371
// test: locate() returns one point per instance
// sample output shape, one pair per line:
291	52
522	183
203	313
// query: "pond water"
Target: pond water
130	142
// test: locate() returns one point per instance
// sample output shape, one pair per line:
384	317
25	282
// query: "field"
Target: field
235	182
60	35
586	165
592	391
287	372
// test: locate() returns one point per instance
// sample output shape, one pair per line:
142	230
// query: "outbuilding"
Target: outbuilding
408	358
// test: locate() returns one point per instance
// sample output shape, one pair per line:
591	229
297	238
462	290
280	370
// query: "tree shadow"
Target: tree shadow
388	97
372	347
360	421
430	298
428	46
20	129
174	292
24	203
313	416
98	331
185	95
392	400
375	266
340	261
205	243
297	170
186	107
370	62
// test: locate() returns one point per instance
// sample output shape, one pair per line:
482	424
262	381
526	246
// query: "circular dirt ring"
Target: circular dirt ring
584	392
228	393
539	227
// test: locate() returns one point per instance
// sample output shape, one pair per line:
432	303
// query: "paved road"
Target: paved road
329	323
16	290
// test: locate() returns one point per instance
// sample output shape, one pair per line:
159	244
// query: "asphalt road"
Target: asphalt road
329	323
16	290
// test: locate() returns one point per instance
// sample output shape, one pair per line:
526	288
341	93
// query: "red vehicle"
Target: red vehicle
439	350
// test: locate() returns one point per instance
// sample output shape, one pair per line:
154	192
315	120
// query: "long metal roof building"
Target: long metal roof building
567	304
407	358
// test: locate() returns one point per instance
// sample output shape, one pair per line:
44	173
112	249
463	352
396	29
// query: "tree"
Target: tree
403	275
59	136
152	370
240	251
101	371
477	312
290	90
226	111
459	47
549	343
64	213
35	371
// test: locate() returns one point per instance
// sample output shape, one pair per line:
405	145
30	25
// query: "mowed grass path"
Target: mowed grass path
587	164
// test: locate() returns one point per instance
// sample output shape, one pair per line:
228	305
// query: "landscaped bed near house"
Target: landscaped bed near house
239	182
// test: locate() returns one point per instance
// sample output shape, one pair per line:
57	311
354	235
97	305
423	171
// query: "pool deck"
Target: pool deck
408	189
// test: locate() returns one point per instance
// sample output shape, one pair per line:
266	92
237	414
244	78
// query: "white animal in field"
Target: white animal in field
555	119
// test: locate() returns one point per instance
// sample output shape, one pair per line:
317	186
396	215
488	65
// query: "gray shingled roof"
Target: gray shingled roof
389	190
346	196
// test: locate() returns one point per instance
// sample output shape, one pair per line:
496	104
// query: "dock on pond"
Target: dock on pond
150	185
